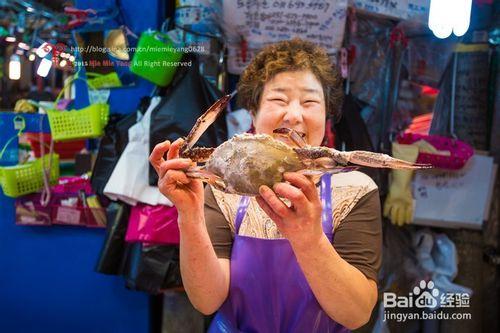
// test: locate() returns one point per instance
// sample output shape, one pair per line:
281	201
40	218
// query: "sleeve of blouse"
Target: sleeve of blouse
358	238
218	227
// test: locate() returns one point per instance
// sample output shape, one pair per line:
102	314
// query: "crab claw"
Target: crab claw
207	177
203	122
377	160
294	136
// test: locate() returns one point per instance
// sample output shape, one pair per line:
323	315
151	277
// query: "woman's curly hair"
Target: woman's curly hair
285	56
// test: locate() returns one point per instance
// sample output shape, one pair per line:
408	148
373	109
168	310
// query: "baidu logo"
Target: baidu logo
427	295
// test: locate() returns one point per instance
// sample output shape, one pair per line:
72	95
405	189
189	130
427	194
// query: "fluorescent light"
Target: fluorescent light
447	16
44	67
15	67
462	18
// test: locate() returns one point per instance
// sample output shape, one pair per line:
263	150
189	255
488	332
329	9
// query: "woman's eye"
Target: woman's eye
279	100
311	102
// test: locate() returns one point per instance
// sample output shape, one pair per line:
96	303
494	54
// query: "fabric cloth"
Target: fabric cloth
357	221
285	301
129	180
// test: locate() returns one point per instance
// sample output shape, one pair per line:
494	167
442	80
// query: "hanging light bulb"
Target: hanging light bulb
447	16
32	57
44	67
10	39
462	17
71	58
62	63
15	67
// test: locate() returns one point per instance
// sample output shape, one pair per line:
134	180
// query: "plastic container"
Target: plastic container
27	178
85	123
65	150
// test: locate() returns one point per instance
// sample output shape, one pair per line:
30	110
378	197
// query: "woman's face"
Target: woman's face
294	100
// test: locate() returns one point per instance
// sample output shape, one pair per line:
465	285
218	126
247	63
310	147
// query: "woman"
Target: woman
276	270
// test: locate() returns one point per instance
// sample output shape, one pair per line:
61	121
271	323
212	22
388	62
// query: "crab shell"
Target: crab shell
248	161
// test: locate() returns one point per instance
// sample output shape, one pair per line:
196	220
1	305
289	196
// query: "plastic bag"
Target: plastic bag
29	211
110	148
188	96
114	249
132	166
74	203
153	269
153	225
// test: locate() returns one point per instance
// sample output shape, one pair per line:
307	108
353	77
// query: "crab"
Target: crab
247	161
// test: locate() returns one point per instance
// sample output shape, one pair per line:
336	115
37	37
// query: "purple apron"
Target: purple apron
268	291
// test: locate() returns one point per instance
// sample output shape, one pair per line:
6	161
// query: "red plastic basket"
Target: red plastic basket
66	149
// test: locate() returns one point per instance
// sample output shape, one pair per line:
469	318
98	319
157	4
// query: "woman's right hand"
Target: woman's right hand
185	193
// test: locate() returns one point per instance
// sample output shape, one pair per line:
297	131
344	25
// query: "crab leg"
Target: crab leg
198	154
359	157
377	160
206	176
203	122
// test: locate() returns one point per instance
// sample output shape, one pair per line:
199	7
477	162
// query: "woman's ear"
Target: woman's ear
252	114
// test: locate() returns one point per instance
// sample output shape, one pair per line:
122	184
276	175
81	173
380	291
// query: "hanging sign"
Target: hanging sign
417	10
255	23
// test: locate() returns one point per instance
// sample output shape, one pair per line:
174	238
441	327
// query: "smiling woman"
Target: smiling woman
270	263
295	55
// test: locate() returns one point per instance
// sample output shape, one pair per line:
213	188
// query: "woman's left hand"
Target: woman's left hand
300	223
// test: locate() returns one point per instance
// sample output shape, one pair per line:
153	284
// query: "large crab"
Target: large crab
247	161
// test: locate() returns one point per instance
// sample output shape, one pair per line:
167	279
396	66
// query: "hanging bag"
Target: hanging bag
111	146
156	58
187	97
153	225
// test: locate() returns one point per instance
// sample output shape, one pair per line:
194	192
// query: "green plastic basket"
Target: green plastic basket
85	123
27	178
101	81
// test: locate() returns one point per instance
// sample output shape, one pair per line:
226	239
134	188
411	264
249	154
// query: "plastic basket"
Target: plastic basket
100	81
65	150
85	123
27	178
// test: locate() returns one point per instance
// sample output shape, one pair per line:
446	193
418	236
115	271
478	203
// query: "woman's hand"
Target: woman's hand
300	223
185	193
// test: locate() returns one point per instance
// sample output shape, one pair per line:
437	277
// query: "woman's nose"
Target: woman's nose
293	113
